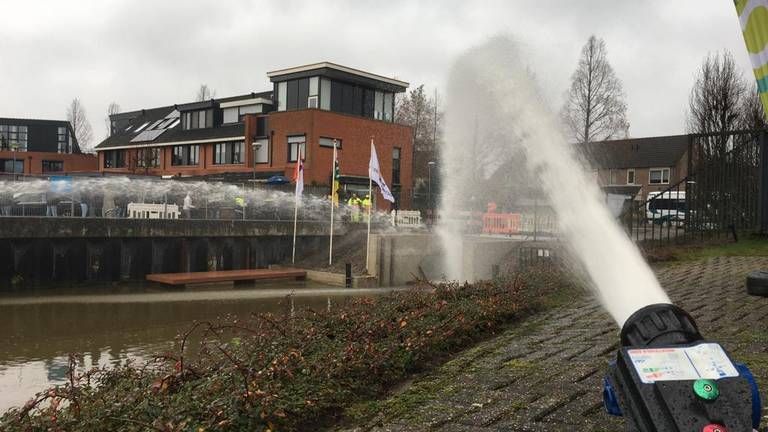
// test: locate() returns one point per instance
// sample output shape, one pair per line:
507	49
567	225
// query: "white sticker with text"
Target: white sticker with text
706	360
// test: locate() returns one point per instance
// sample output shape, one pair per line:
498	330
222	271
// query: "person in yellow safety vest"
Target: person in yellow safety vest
240	202
354	208
366	206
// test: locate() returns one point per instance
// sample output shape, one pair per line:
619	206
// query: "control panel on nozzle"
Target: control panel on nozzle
668	378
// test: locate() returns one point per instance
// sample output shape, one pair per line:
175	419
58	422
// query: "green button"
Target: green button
706	389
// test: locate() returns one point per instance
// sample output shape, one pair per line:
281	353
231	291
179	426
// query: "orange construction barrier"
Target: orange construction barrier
501	223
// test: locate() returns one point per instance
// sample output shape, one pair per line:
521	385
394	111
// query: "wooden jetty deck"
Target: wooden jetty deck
213	277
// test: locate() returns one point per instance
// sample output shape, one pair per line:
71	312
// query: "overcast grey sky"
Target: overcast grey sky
142	54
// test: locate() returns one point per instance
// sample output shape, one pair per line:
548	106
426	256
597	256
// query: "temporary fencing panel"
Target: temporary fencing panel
153	211
501	223
406	218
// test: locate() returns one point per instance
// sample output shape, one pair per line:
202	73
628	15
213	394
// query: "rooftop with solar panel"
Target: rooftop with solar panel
214	118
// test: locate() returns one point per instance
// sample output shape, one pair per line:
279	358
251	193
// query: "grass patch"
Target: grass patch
747	246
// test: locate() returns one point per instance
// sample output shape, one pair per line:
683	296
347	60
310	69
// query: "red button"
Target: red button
714	428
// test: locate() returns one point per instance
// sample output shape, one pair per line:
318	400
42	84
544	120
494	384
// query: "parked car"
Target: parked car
666	208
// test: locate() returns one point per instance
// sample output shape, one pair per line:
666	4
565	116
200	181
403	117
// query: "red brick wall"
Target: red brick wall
354	132
33	161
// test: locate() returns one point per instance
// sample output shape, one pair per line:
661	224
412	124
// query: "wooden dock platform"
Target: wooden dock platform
213	277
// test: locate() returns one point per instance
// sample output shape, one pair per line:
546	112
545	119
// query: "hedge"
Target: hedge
285	373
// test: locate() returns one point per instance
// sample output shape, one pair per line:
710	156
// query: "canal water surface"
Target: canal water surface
108	325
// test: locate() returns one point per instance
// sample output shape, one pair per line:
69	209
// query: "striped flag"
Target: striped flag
753	17
335	179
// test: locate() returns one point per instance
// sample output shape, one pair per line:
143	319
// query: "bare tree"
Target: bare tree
717	102
113	108
423	115
417	110
80	125
204	93
595	109
752	113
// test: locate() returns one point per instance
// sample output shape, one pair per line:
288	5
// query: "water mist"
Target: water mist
496	118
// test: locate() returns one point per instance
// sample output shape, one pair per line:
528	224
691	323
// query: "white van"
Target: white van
664	208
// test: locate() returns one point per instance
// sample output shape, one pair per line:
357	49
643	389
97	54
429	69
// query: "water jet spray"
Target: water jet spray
666	377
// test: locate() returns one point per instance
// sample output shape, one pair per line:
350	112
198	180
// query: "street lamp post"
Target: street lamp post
430	164
14	146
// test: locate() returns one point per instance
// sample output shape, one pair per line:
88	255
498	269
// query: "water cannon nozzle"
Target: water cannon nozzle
667	374
659	324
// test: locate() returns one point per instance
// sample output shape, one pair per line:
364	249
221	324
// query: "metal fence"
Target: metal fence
718	197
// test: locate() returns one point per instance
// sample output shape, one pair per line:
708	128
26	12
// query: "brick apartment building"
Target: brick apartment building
260	135
635	167
33	146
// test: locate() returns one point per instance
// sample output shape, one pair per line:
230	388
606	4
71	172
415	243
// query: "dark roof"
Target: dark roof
135	119
27	122
636	152
176	134
132	114
263	95
340	73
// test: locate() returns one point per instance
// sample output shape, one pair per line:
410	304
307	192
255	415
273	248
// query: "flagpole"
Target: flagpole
295	222
368	241
333	203
370	204
299	189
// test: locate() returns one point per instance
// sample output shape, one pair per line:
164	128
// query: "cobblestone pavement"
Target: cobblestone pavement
546	374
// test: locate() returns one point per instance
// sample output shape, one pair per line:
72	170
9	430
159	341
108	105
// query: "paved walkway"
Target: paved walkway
546	374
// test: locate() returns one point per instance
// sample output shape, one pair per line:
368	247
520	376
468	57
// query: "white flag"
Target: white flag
375	174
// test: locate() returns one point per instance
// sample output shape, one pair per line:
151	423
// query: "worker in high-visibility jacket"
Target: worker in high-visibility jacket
354	208
240	202
366	207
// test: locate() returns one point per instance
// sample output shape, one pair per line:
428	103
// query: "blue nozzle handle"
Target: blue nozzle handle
610	402
756	403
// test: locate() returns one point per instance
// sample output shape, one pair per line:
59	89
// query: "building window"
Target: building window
396	166
282	95
328	142
261	150
325	94
53	166
148	158
11	166
13	137
62	140
615	175
197	119
185	155
114	159
296	145
388	106
630	177
378	105
314	93
231	115
261	126
658	176
382	106
229	153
